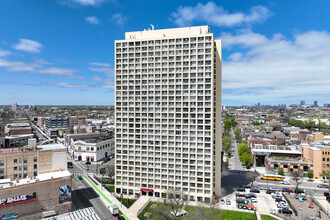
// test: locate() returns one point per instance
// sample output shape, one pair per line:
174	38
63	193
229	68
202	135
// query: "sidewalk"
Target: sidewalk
107	198
139	204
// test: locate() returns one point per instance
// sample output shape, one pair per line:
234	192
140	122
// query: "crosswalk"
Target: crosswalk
82	214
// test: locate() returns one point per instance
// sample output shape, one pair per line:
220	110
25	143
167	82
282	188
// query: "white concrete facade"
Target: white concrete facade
168	112
86	151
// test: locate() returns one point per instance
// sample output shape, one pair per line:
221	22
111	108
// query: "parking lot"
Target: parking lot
264	202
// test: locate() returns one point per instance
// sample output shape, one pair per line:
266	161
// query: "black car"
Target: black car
285	189
121	218
250	195
323	186
246	186
254	190
240	190
326	193
285	211
270	191
79	177
279	200
299	191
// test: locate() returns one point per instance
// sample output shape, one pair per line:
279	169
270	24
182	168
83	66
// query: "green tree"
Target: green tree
226	145
281	172
242	148
227	125
310	175
255	123
324	174
247	160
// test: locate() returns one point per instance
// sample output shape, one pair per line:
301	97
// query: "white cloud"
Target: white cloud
276	70
216	15
56	71
84	2
15	66
100	64
102	68
96	78
119	19
28	45
108	84
92	20
4	53
69	85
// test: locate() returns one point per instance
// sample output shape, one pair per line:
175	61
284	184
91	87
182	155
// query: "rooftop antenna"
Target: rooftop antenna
152	27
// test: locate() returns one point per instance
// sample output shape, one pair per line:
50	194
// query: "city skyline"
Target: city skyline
61	52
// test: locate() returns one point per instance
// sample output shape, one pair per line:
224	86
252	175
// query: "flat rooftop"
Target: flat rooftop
168	33
26	149
6	183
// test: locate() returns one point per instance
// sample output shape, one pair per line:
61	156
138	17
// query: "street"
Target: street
84	196
236	174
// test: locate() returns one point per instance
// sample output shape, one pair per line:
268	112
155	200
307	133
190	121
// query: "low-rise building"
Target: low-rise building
16	140
27	162
17	129
37	197
90	146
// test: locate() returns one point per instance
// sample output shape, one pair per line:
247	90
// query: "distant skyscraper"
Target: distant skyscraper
315	103
168	113
302	102
14	107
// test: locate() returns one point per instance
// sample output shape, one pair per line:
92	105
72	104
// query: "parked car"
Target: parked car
282	205
274	188
222	201
263	188
270	191
80	178
246	186
255	190
285	189
323	186
228	202
240	194
276	196
278	200
285	211
240	190
250	207
250	195
285	183
299	190
254	200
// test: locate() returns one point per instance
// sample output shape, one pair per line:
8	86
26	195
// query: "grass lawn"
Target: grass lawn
126	202
110	188
224	214
267	217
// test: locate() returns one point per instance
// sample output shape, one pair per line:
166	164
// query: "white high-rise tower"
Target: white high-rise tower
168	113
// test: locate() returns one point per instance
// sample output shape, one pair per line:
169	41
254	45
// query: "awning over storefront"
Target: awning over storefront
87	156
146	190
92	157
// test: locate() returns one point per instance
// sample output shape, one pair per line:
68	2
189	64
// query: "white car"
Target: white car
254	200
282	205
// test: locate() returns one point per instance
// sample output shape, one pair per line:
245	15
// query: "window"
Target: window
35	166
1	163
25	160
15	168
25	167
25	175
35	159
2	170
35	173
15	160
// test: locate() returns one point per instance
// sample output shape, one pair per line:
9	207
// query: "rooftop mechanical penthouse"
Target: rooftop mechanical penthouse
168	113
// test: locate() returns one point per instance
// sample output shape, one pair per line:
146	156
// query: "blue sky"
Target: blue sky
61	51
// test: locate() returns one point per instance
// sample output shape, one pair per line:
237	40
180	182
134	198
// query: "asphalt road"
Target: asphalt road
84	196
236	175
